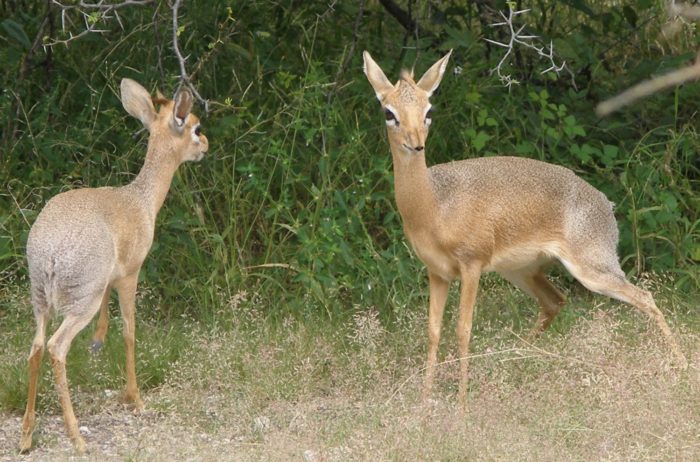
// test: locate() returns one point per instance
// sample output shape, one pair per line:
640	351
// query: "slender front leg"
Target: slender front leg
127	302
438	297
470	283
98	338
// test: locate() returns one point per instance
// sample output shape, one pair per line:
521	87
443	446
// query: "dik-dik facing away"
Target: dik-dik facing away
505	214
87	241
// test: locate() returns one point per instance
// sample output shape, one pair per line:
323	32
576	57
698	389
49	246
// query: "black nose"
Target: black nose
418	148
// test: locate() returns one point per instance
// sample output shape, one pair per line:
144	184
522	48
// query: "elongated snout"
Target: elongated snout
415	140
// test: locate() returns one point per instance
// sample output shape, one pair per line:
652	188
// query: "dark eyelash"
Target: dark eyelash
390	116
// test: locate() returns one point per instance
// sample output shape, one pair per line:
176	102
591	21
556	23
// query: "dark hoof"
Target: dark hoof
96	347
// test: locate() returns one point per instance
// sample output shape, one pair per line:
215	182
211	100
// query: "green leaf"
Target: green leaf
478	139
16	31
609	155
524	148
695	252
547	114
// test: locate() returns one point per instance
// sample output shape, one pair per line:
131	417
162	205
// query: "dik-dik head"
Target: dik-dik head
173	123
406	105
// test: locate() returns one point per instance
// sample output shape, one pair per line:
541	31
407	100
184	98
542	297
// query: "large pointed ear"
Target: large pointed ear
182	107
137	102
431	79
376	76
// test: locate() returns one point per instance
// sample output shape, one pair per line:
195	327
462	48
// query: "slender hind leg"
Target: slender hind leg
58	346
127	302
614	284
98	338
534	283
550	299
35	355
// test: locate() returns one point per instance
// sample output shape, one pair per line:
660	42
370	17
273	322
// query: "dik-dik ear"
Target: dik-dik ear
376	76
432	77
137	102
182	107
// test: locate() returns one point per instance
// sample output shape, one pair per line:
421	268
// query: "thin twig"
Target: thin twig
102	5
654	85
683	10
516	37
648	87
524	353
273	265
450	361
351	52
184	78
556	355
103	9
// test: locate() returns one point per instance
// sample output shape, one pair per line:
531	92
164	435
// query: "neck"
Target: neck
153	181
414	193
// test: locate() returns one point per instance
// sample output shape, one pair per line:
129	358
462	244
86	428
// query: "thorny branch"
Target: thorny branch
184	78
102	5
517	38
675	12
102	11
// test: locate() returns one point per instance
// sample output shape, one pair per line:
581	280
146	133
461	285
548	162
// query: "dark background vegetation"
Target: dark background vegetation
294	201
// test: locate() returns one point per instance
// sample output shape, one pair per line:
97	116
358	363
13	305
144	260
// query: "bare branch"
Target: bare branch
683	10
403	17
351	51
516	38
102	5
675	11
647	88
184	78
101	12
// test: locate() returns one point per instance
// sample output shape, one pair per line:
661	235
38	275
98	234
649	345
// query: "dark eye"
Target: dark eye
390	117
429	114
198	130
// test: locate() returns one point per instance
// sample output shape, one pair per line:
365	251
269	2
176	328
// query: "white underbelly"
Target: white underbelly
522	256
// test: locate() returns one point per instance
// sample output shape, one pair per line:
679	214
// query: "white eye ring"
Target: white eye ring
390	115
429	116
196	130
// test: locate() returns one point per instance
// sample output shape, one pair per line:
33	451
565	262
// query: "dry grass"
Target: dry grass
602	390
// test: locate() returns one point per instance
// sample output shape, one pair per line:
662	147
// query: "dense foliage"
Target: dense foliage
294	201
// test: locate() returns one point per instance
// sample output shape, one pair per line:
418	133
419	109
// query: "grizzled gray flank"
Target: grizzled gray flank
87	241
510	215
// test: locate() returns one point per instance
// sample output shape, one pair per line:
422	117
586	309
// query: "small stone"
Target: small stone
310	456
84	430
261	424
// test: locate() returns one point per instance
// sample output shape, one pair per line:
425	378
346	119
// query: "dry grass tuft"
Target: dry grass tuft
292	390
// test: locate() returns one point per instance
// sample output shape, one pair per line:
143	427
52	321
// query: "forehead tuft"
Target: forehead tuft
407	93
